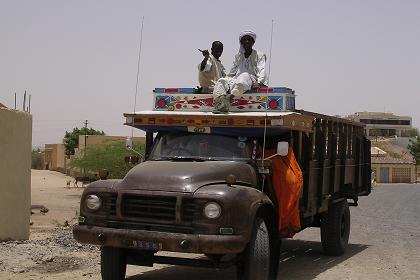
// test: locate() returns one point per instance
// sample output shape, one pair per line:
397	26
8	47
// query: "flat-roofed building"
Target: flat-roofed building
92	140
54	157
384	124
15	174
97	140
392	163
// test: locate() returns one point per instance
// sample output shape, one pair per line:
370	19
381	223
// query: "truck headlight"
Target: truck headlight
93	202
212	210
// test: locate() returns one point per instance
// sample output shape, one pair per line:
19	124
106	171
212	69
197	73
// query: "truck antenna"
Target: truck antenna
138	72
266	100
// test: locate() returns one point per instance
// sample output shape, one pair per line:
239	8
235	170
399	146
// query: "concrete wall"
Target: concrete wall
15	174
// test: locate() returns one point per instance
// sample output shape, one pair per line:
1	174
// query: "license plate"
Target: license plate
146	245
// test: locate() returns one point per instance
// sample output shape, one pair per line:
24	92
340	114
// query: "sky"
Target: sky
78	59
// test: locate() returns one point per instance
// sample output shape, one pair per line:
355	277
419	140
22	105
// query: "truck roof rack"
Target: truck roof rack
266	108
231	123
272	99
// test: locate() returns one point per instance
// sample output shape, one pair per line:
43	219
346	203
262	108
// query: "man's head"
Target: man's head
217	49
247	40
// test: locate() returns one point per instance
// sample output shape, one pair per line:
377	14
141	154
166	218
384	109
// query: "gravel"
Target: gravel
50	250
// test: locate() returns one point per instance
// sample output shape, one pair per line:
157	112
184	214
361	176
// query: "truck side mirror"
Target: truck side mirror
282	148
129	143
132	159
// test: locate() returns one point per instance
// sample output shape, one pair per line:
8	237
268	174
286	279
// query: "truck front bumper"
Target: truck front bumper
173	242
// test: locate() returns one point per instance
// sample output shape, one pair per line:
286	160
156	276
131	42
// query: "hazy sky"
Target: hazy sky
78	59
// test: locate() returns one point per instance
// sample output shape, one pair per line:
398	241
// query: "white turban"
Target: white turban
244	33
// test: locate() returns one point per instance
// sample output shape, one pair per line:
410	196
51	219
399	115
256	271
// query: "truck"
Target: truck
205	186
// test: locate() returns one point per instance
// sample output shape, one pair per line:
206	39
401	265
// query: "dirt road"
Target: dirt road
384	242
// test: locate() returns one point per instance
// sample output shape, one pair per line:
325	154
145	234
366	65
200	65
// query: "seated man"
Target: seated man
248	70
211	69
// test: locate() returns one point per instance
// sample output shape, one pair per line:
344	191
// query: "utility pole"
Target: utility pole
84	151
86	123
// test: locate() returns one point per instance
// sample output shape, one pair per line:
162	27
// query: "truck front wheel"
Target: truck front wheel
113	263
255	260
335	229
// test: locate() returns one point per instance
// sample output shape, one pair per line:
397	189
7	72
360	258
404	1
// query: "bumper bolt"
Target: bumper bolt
101	237
184	244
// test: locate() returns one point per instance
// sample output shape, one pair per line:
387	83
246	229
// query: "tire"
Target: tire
113	263
255	260
335	229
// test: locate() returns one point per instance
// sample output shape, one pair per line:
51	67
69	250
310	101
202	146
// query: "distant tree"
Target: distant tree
109	156
71	139
414	147
37	159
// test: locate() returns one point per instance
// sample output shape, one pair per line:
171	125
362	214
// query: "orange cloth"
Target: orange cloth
288	185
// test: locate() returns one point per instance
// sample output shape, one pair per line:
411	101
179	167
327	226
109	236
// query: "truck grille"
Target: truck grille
161	208
188	210
109	201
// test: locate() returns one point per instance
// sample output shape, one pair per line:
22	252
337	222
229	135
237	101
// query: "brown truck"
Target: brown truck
205	188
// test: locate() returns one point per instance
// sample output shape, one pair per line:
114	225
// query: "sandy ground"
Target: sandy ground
50	189
384	242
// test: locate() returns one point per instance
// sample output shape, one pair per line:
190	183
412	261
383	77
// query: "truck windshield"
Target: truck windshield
189	146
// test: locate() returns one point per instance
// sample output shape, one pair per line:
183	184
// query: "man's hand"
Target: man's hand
205	53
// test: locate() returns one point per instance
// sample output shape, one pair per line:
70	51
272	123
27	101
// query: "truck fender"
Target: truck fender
264	209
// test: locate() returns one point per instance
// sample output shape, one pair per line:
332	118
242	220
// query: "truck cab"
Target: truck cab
205	185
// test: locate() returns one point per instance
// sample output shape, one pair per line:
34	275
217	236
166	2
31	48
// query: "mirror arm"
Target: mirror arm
271	156
134	151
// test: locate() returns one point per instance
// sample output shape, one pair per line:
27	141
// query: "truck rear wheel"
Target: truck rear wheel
255	262
335	229
113	263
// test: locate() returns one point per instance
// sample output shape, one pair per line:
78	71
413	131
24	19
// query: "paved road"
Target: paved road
384	244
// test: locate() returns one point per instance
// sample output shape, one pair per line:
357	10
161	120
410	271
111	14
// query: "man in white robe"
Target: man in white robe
248	68
211	69
248	71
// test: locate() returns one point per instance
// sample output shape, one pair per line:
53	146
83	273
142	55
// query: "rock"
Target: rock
18	270
48	259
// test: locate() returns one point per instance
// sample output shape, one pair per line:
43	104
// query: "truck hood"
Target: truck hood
185	176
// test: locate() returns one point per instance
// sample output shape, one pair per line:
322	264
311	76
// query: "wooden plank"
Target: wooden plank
293	121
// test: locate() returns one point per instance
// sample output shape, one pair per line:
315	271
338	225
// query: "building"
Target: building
56	160
15	173
392	163
418	174
54	157
384	124
92	140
